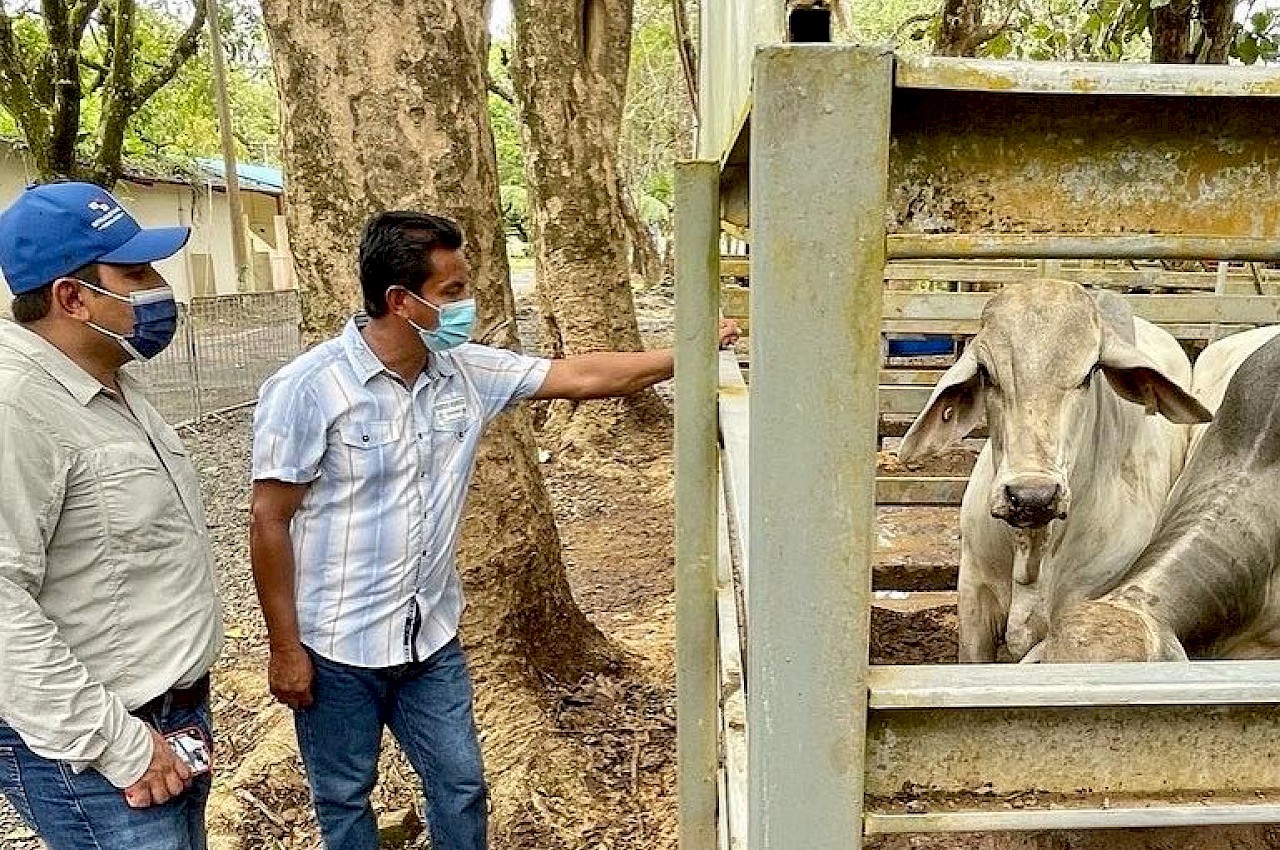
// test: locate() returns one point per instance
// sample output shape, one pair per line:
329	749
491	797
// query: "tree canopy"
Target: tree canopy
91	85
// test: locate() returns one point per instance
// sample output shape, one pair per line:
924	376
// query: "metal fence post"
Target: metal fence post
819	164
697	227
193	359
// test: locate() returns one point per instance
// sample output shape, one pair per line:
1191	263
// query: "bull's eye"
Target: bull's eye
948	413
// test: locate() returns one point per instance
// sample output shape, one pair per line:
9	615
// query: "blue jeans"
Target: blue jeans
427	706
83	811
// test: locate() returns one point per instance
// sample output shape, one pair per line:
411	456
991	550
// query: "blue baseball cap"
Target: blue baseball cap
55	228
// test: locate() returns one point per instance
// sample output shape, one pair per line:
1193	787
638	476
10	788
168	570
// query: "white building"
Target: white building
205	266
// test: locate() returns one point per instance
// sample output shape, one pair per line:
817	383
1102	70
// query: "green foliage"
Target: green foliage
179	122
911	23
1063	30
505	121
657	111
1258	39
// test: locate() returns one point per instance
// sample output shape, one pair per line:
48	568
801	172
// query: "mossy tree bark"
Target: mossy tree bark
569	66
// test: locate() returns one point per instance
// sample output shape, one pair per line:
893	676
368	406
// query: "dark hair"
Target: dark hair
35	305
395	250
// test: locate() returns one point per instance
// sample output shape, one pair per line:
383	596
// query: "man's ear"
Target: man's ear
955	408
66	296
1135	378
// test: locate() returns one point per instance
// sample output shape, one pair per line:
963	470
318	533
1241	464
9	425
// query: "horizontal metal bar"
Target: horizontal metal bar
1020	820
937	491
1048	246
1124	749
1161	309
910	377
904	400
969	327
959	271
1084	78
1042	685
1004	272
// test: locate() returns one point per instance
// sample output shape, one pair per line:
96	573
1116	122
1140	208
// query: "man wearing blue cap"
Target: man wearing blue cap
109	620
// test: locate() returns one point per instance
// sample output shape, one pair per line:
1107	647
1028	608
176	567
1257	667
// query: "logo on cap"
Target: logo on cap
110	215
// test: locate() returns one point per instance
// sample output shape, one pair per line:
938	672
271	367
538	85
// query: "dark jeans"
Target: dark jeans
83	811
427	706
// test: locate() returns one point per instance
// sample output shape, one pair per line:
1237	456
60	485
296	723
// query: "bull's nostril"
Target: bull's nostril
1032	494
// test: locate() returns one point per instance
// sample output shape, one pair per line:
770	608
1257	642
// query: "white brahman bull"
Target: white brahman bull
1071	482
1208	583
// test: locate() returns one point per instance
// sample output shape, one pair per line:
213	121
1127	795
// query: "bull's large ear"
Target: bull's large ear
955	408
1135	377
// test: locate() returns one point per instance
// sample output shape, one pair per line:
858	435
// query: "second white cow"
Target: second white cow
1076	468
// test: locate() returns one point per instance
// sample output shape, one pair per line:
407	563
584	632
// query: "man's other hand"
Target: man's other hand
289	673
166	776
729	332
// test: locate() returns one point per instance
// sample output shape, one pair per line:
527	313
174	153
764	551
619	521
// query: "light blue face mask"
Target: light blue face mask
457	320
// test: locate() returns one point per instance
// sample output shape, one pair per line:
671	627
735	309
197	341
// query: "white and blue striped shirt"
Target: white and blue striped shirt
375	536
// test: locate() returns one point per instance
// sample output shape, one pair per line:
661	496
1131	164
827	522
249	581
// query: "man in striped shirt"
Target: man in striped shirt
362	451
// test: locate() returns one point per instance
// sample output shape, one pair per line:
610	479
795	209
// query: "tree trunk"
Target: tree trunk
384	106
1219	31
959	33
644	252
569	67
1171	33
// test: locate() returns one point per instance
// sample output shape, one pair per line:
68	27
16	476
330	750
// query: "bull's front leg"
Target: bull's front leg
984	610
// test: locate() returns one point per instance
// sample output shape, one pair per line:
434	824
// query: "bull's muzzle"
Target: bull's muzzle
1029	501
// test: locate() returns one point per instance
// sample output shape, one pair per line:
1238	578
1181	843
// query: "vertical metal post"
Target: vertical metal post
819	164
697	226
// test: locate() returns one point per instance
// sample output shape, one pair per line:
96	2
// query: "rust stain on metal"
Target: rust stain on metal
978	162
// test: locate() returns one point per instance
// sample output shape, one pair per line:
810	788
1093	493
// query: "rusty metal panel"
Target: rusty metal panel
957	74
1142	729
983	161
1135	814
1130	749
1101	247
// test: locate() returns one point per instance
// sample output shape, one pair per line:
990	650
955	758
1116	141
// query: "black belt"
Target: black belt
180	699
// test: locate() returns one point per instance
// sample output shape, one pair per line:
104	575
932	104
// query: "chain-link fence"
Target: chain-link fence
226	346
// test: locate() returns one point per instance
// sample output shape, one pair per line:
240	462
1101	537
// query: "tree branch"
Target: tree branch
118	102
185	48
64	90
910	22
688	57
15	89
81	14
494	88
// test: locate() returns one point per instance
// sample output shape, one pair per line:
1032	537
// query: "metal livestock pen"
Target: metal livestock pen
849	157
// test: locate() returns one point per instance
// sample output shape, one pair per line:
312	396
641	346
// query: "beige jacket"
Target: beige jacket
107	594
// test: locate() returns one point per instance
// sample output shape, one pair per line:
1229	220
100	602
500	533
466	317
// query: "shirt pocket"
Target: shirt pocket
366	451
184	474
136	496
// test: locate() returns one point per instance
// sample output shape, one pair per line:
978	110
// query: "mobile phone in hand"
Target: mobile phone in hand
190	746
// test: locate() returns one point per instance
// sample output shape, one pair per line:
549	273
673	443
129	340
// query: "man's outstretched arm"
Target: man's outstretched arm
606	374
